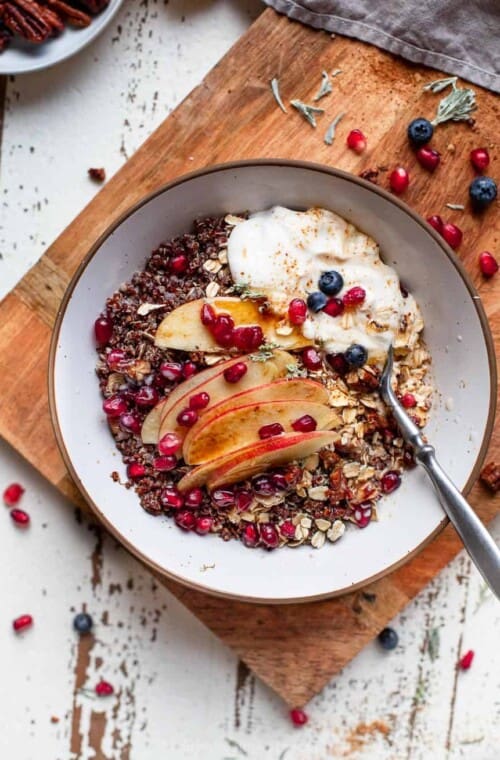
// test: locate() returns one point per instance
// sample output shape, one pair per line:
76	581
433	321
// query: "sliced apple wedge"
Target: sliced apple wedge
256	458
183	329
217	387
239	427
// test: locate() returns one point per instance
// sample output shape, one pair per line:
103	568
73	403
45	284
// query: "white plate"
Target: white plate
21	57
456	333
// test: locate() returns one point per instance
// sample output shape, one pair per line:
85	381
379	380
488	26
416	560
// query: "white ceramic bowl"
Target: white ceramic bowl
456	332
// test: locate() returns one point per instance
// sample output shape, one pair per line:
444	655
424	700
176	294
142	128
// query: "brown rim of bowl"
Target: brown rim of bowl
322	170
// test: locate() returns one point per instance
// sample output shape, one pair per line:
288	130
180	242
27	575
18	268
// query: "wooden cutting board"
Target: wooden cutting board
233	115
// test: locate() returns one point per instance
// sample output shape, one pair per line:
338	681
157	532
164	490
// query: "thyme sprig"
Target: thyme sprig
293	371
275	87
457	105
325	87
245	292
438	85
264	352
330	132
307	111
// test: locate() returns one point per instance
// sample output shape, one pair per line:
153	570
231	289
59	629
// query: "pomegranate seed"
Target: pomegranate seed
270	431
311	359
171	371
399	180
338	363
488	264
103	330
185	519
390	481
287	529
298	717
305	424
165	463
408	400
189	369
193	498
334	307
363	514
203	525
22	623
199	401
147	396
356	141
452	234
222	330
354	296
135	470
436	222
207	315
114	406
223	497
179	264
297	311
269	536
117	359
242	500
263	486
12	494
465	662
104	689
187	417
480	159
428	158
235	372
248	338
169	444
250	535
279	481
130	422
171	497
20	517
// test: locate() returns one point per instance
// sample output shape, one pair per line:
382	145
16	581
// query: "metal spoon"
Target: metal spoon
477	540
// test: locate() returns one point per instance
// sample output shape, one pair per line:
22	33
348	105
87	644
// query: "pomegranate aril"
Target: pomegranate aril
271	430
135	470
279	481
199	400
338	363
179	264
287	529
222	330
408	400
242	500
22	622
363	514
207	315
263	486
311	359
269	536
356	141
428	158
248	338
305	424
117	359
436	222
147	397
188	370
452	234
223	497
298	717
103	330
399	180
390	481
354	296
187	417
169	444
185	519
488	264
334	307
203	525
104	689
20	517
193	498
12	494
235	372
250	535
171	497
165	463
114	406
171	371
297	311
130	422
465	661
480	159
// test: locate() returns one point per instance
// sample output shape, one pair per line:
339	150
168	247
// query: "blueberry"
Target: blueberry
482	191
420	132
356	355
316	301
331	282
388	638
83	623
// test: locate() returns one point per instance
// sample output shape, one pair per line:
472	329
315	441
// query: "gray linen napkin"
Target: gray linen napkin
459	37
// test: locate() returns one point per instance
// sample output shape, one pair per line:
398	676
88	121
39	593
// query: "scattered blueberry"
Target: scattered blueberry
83	623
356	355
482	192
388	638
316	301
420	132
331	282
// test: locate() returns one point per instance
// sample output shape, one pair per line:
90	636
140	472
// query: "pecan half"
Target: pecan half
95	6
25	18
72	15
490	475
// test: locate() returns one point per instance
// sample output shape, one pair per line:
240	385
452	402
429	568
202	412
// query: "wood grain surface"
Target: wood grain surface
232	115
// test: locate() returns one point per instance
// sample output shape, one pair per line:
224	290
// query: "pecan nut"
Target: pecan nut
490	475
72	15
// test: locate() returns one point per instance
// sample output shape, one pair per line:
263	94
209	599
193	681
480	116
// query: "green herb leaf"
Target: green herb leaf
419	695
308	112
433	643
325	88
330	132
456	106
264	352
275	87
455	206
293	370
438	85
245	292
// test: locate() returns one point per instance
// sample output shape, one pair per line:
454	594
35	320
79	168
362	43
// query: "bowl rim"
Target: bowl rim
269	162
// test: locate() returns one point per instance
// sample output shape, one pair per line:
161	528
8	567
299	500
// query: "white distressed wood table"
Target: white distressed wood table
179	692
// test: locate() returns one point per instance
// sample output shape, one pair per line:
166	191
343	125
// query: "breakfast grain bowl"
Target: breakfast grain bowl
147	296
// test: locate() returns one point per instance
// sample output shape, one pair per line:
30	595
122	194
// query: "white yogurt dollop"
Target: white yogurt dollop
282	253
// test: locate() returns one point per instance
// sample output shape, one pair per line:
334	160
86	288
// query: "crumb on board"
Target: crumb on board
98	175
54	719
490	475
363	733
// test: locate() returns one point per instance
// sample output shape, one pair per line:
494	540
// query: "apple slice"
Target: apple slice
183	329
217	387
256	458
239	427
